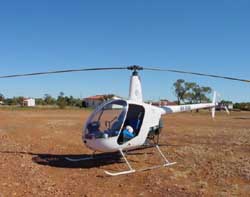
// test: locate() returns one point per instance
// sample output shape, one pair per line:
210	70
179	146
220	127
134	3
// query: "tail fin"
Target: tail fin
214	102
227	110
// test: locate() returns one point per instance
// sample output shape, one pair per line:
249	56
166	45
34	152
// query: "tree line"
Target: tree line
186	93
190	92
245	106
61	101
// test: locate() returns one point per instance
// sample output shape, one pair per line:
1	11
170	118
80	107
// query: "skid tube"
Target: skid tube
131	170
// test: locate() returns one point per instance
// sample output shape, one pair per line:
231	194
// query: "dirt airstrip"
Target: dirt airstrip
213	157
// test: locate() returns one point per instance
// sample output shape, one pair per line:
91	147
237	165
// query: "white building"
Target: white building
230	106
29	102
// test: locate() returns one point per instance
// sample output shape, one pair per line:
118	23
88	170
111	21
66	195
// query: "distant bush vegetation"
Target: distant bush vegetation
61	101
242	106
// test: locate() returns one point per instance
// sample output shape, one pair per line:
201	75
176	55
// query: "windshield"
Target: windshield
107	121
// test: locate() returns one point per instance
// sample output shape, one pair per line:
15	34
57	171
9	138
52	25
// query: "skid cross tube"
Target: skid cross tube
126	160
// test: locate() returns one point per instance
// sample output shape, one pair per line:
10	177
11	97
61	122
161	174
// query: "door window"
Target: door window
132	124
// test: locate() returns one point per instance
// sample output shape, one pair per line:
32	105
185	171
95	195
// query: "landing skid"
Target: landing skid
131	170
119	173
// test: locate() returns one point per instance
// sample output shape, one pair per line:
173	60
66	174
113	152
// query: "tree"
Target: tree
189	96
40	101
202	95
224	102
61	101
49	100
70	100
242	106
20	100
15	101
8	101
190	92
1	97
78	102
180	87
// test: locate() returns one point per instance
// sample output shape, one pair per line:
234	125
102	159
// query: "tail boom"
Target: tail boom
184	108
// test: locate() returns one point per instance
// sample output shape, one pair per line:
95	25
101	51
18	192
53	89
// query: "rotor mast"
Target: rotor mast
135	90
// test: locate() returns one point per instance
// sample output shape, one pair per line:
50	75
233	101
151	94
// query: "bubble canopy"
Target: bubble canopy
107	120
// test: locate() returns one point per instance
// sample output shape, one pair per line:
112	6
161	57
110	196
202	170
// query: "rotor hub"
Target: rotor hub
135	69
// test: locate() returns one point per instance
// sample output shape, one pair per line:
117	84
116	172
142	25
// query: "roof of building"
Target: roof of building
164	102
169	102
100	97
96	97
26	99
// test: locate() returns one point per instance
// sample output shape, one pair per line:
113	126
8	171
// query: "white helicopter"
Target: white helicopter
120	125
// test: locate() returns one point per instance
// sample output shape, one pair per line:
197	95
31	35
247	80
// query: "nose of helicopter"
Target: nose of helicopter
102	144
102	129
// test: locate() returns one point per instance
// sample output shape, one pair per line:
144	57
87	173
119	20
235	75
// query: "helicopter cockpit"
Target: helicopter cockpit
115	118
107	120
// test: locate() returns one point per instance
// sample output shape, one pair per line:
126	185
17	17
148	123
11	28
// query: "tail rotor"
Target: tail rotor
214	102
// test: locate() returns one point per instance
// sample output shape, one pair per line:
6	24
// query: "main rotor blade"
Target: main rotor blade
124	68
195	73
64	71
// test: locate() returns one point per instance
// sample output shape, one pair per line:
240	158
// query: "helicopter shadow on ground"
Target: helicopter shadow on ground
60	160
242	118
99	160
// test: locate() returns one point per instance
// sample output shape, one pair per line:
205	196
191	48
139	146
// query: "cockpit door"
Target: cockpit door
134	120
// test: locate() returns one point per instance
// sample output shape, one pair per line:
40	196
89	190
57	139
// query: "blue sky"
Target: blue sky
200	36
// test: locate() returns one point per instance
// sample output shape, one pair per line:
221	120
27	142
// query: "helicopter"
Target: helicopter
121	125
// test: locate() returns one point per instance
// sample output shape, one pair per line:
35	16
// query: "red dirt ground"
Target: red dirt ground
213	157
